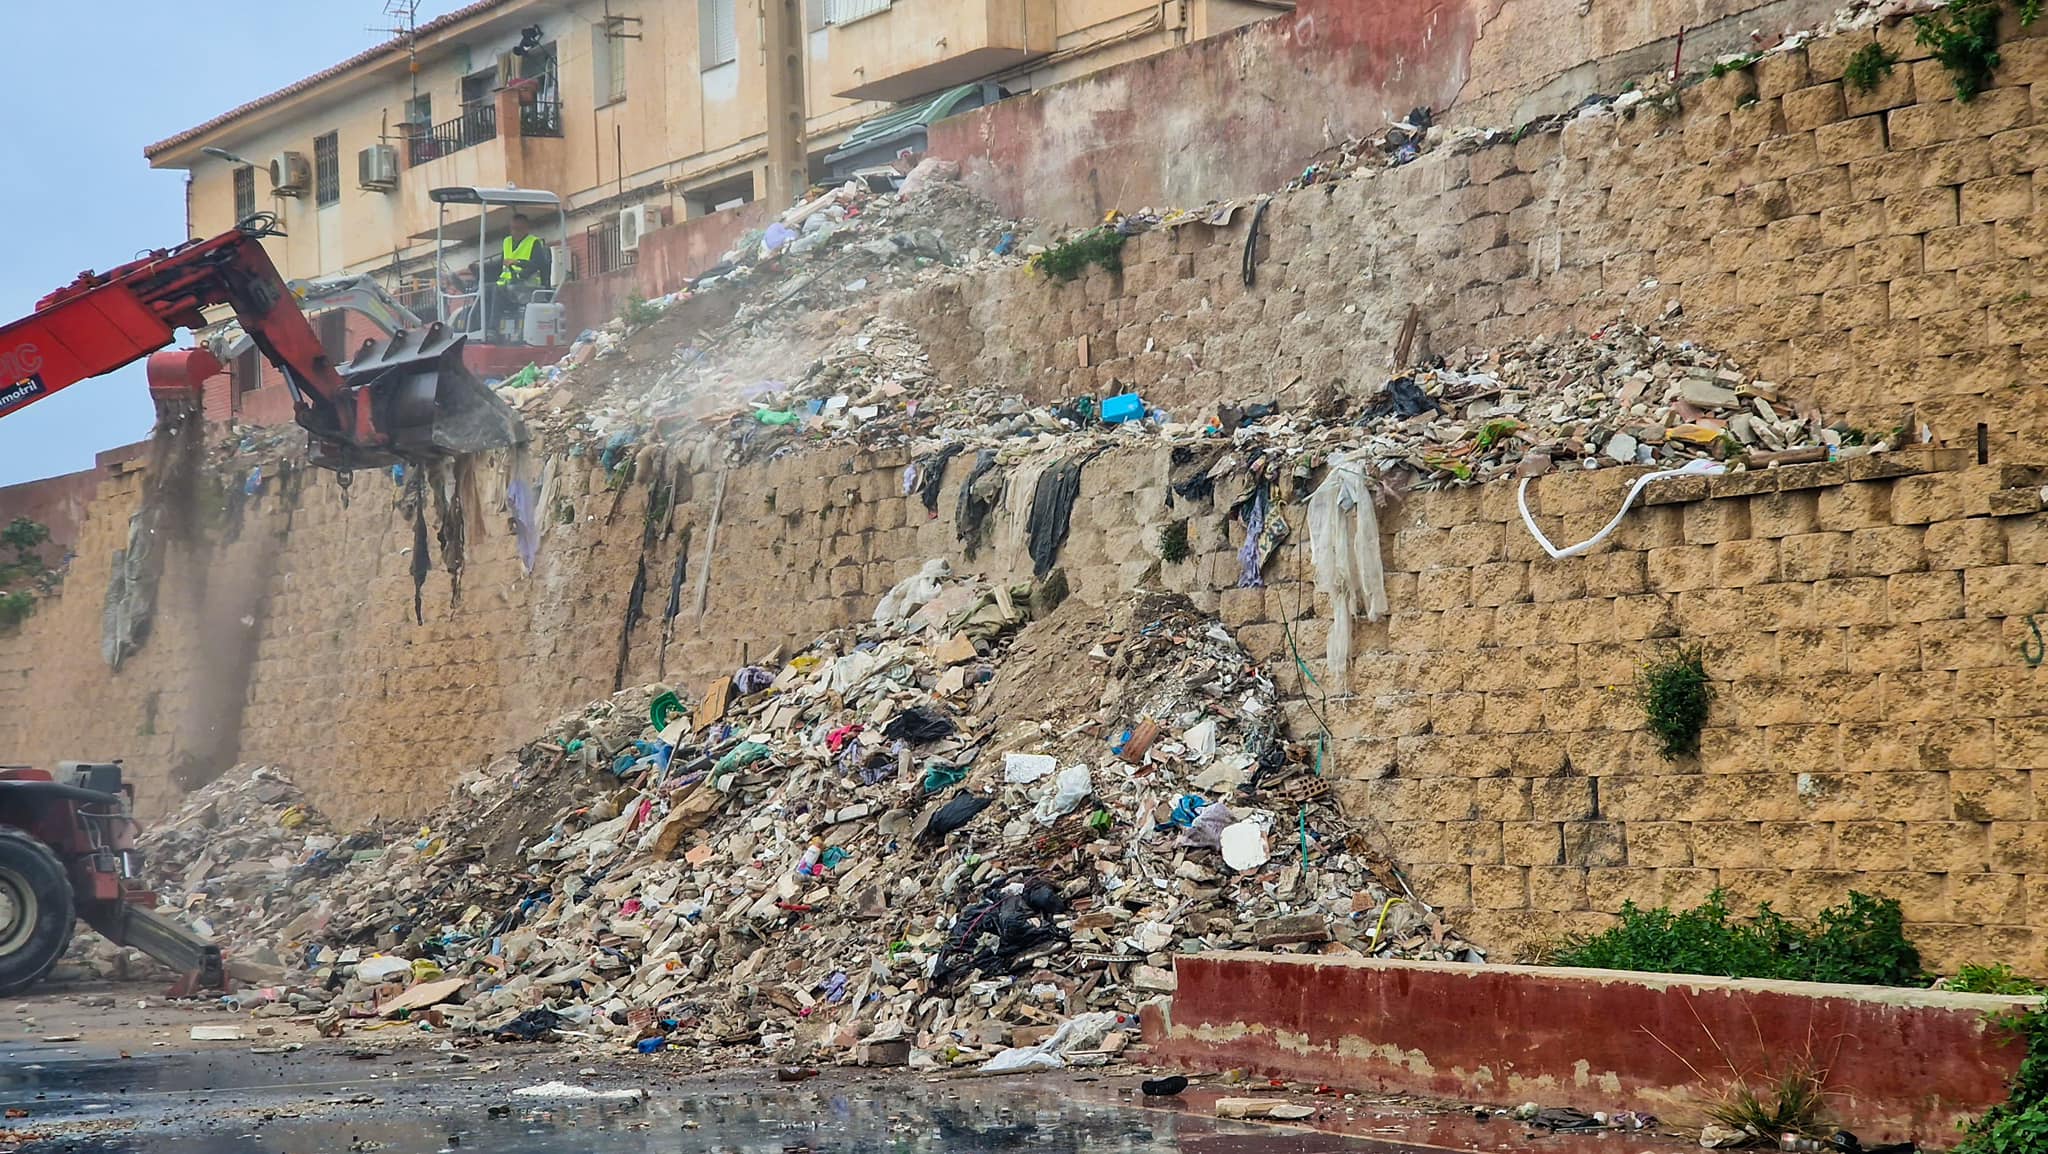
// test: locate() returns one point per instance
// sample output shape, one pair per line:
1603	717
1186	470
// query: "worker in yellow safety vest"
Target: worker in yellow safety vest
527	260
528	265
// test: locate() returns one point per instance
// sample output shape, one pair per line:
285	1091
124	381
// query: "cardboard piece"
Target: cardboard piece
423	995
717	699
958	650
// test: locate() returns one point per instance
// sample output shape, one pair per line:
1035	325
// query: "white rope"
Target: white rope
1696	468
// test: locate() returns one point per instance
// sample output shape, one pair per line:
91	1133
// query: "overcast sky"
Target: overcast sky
91	84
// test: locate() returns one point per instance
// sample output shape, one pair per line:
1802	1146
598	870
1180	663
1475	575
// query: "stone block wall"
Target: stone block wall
1876	725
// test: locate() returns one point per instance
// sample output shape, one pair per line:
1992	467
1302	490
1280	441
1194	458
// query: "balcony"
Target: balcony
903	49
514	140
477	124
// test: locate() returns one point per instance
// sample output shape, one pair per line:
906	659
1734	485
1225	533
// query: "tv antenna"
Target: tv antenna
405	24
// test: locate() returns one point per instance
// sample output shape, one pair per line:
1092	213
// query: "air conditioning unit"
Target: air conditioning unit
377	168
290	175
637	222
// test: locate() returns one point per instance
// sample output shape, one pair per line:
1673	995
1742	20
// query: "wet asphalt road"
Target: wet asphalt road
235	1102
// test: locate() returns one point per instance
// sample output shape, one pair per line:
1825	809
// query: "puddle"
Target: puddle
875	1118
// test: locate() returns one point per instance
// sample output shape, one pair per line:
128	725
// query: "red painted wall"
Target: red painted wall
1230	115
59	502
1901	1063
270	403
667	258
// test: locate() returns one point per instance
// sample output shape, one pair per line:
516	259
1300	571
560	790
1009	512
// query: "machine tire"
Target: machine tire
34	882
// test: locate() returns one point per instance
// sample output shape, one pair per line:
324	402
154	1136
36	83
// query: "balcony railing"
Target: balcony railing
541	118
478	123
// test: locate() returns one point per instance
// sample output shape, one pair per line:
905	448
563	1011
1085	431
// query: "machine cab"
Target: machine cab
474	295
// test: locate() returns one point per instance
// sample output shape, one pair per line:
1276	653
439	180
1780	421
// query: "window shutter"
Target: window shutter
717	32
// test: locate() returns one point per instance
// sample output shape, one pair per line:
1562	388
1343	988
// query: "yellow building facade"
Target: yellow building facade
654	105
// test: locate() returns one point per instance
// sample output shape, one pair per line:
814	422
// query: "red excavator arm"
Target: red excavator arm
406	397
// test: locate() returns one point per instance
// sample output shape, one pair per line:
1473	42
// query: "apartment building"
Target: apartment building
636	113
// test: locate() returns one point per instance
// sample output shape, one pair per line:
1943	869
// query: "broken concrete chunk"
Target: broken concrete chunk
1291	929
1705	394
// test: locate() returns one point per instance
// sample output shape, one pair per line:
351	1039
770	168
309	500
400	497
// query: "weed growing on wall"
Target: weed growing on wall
1070	258
1964	37
1734	63
1794	1102
1675	695
22	571
1994	979
1861	942
1868	68
1173	543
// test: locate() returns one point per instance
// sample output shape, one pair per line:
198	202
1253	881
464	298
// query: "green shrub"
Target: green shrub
2018	1125
1734	64
637	312
1862	942
1868	68
14	607
1995	979
1070	258
1675	696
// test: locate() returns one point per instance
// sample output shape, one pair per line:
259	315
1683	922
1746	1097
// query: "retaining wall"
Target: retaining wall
1899	1064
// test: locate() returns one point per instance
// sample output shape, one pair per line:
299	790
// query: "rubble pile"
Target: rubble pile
779	286
856	852
1622	396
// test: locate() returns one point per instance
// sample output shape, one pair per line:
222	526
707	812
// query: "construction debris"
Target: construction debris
865	857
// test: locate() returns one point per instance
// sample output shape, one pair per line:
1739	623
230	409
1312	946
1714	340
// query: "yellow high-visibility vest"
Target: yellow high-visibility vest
517	257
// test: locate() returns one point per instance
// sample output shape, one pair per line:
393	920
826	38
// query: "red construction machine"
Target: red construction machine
67	840
67	851
403	397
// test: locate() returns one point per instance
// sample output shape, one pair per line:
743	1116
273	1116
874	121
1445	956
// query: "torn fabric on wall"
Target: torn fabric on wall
1344	546
415	502
978	496
1264	531
931	471
1052	510
131	589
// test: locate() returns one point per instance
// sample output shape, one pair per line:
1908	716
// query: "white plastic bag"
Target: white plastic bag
1069	789
911	593
1081	1032
1344	544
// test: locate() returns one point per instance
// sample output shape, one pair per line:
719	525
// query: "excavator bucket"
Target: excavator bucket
424	401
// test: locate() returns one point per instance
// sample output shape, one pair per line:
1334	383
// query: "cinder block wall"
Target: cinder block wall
1864	250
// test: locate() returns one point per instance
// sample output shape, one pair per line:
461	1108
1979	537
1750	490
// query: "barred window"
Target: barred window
327	169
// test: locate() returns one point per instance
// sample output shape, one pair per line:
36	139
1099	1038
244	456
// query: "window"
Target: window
718	35
817	13
332	326
847	11
601	248
477	86
327	169
245	193
420	110
245	372
608	61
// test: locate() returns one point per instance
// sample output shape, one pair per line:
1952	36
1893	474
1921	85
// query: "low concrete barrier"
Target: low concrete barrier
1900	1063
